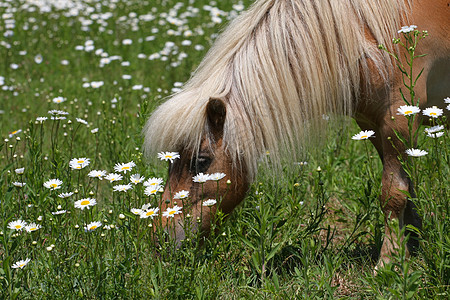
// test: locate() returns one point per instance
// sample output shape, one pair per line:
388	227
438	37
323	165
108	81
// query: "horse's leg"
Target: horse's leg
395	182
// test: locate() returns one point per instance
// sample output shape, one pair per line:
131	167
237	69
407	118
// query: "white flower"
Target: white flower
136	178
153	181
447	100
171	212
406	29
124	167
149	212
19	171
435	135
59	212
41	119
58	100
32	227
122	187
151	190
209	202
216	176
181	195
136	211
168	156
65	195
434	129
113	177
363	135
95	130
416	152
20	263
97	174
17	225
82	121
79	163
85	203
433	112
38	59
407	110
200	178
19	184
53	184
92	226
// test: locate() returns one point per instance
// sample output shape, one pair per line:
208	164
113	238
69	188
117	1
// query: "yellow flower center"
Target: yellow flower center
80	161
85	202
149	213
408	112
53	185
33	229
125	168
93	227
168	156
21	265
14	132
18	226
364	136
433	114
172	212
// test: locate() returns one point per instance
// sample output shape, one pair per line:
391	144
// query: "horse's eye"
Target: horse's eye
200	164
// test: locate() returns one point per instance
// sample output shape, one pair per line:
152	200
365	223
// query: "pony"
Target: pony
271	75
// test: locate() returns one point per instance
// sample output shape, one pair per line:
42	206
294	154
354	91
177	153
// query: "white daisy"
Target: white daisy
151	190
435	135
53	184
32	227
217	176
181	195
433	112
168	156
136	178
58	100
363	135
113	177
406	29
65	195
416	152
209	202
407	110
41	119
122	187
150	212
434	129
97	174
17	225
201	178
20	264
136	211
59	212
171	212
447	100
92	226
153	181
79	163
82	121
85	203
19	184
19	171
124	167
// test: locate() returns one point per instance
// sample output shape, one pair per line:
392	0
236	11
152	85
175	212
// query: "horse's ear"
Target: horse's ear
216	112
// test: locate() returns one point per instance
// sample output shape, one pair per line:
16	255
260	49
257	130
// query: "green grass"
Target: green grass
310	235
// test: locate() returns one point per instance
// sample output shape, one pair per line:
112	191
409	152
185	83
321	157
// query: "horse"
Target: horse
271	75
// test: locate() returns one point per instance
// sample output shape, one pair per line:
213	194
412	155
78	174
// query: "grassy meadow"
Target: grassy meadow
78	79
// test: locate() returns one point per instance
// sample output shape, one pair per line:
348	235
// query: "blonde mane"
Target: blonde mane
278	67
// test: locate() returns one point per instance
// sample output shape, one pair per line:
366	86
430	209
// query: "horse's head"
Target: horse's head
210	158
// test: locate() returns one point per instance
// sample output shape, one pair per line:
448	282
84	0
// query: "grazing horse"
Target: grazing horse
272	74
